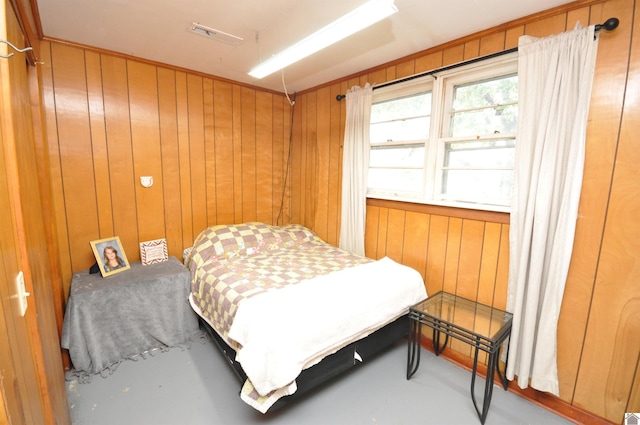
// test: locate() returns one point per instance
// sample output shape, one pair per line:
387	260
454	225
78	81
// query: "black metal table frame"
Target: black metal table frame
479	342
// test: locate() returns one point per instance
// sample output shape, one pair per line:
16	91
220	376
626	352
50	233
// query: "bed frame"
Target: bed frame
330	366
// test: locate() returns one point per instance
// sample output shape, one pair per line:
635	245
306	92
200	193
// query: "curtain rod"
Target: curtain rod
609	25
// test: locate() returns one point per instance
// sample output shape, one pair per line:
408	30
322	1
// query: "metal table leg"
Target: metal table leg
488	387
414	345
503	377
437	348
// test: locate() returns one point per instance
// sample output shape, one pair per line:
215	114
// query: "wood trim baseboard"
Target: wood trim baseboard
544	400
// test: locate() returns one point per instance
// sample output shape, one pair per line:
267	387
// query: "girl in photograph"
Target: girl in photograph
111	259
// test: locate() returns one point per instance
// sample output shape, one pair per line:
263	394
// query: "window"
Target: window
399	133
448	139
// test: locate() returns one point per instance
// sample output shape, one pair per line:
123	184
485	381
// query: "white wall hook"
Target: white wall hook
146	181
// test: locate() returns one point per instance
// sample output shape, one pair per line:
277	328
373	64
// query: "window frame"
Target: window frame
441	84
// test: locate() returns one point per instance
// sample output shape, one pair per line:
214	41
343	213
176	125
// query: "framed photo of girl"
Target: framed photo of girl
110	256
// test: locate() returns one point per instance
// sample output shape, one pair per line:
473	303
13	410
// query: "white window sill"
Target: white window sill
461	205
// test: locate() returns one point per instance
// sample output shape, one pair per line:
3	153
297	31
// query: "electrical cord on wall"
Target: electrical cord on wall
286	174
284	86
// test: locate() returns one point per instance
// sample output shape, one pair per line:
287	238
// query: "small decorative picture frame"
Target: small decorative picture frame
154	251
110	256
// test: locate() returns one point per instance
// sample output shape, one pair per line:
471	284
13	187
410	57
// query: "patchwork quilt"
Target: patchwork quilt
231	263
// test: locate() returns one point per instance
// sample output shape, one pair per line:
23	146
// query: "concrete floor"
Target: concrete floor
196	387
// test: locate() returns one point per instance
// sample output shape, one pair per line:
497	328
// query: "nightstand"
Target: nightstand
125	315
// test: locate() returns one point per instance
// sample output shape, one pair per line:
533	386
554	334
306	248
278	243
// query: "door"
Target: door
32	389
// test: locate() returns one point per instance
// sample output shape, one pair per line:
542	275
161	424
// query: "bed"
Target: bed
290	311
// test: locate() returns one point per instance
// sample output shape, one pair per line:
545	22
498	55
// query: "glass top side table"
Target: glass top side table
483	327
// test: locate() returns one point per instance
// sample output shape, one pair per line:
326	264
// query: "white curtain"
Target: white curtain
555	77
355	164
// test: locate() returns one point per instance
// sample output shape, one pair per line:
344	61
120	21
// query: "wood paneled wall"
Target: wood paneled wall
467	253
459	251
217	152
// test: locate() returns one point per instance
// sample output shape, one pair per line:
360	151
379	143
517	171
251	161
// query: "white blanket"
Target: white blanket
285	331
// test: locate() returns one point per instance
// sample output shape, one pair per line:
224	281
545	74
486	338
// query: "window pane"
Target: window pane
485	107
501	119
480	154
492	92
397	156
409	106
492	187
395	180
406	118
409	129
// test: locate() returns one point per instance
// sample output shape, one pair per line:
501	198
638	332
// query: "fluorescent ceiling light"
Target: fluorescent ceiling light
354	21
215	34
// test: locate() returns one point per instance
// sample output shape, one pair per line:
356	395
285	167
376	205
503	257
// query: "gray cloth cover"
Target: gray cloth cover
125	315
